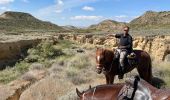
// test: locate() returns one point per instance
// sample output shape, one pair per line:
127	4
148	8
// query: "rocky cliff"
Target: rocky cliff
157	46
14	49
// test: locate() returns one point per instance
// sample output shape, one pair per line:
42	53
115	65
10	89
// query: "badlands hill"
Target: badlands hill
107	26
19	21
149	21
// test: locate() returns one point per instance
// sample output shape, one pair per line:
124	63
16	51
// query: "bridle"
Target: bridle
92	98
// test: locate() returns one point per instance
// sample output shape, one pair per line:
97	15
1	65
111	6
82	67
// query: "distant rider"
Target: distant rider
124	48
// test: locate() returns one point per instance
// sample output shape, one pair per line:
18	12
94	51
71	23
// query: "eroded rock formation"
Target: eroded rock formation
11	51
157	46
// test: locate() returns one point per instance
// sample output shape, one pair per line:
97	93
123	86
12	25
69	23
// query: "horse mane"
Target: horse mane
103	86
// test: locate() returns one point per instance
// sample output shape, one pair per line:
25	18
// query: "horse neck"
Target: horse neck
149	86
109	90
109	54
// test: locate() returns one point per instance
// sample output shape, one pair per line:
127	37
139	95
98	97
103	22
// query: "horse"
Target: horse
110	67
104	92
145	91
101	92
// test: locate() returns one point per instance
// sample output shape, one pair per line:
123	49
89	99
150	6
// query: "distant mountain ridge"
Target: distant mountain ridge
149	20
108	25
152	19
19	21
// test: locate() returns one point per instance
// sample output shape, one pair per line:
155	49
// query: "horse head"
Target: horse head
100	60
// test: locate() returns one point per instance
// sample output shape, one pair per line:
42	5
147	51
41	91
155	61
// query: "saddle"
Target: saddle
132	59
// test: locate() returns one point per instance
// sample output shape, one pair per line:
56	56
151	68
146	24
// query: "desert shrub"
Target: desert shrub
22	67
29	77
7	75
79	61
36	66
65	44
44	50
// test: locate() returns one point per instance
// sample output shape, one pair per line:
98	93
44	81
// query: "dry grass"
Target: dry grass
67	73
70	70
162	71
74	70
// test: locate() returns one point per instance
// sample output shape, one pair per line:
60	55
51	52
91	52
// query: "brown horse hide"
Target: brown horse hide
101	92
144	91
110	67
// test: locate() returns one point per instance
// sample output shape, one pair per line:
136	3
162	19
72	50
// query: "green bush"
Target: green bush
44	50
8	75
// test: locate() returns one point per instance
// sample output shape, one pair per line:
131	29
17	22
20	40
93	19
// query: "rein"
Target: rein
94	92
92	95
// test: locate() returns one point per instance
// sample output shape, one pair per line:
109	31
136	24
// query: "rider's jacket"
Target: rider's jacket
126	41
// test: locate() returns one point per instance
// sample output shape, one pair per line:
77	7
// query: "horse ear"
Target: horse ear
89	86
78	92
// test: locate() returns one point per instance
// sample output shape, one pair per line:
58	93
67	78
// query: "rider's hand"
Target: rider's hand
111	35
123	47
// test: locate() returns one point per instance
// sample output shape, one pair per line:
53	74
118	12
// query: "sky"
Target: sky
83	13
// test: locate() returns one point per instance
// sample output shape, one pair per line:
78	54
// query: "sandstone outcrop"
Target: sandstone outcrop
11	51
157	46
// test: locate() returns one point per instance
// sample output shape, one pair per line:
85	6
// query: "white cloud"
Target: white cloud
4	9
62	5
58	11
86	17
26	1
88	8
60	2
3	2
59	6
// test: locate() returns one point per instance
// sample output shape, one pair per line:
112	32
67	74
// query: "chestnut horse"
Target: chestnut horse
110	67
101	92
125	91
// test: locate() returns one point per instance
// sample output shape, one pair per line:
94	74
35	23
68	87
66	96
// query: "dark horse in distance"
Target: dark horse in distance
110	67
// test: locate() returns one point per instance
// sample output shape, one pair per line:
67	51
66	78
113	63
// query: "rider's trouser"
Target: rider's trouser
123	54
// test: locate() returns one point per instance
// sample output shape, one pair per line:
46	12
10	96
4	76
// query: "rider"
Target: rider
124	48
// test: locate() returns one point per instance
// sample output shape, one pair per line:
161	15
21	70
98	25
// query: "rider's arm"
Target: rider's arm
117	35
130	40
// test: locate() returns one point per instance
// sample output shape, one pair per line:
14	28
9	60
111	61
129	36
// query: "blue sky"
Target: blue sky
84	12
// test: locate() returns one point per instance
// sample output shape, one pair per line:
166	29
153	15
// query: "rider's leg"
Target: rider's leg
122	65
117	54
122	58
